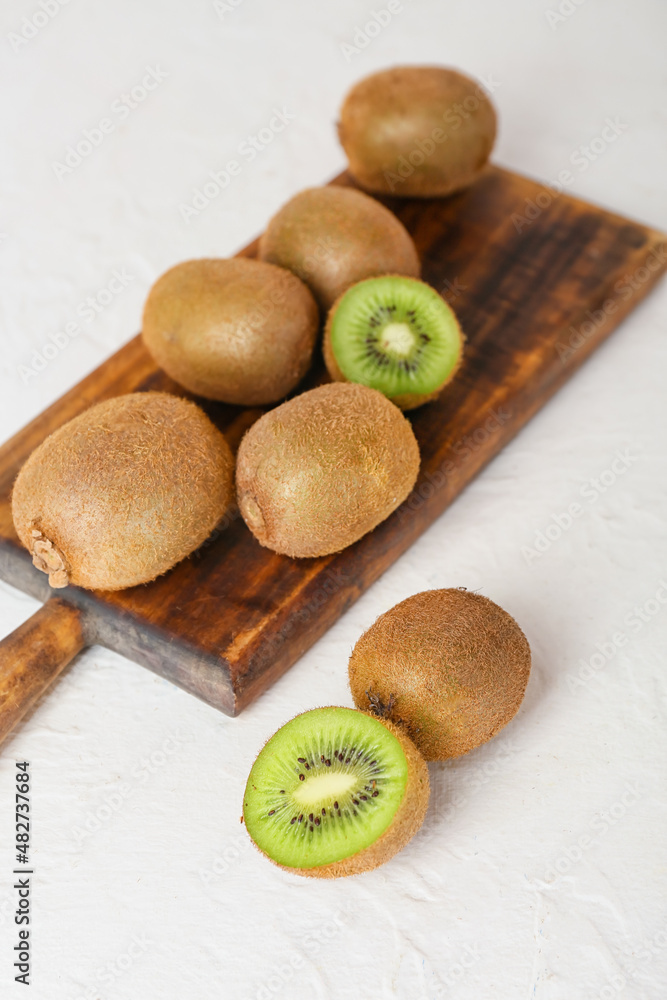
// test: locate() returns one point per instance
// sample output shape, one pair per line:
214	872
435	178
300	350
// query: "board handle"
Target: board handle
34	654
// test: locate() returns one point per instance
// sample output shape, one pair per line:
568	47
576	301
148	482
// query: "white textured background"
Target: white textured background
146	887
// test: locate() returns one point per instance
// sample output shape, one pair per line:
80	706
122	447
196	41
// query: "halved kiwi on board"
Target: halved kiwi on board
335	792
394	334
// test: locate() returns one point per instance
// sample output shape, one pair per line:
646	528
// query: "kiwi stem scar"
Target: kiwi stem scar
47	558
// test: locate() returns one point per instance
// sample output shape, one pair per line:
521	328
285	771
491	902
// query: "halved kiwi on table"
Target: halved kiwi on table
396	335
335	792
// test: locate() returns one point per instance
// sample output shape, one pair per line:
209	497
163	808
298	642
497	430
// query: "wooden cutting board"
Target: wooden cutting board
538	280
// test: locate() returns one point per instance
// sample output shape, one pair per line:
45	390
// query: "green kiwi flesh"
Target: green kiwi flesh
332	237
335	792
396	335
450	666
417	131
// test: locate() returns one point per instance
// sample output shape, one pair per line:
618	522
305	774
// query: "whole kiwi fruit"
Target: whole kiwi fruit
417	131
448	665
332	237
325	468
335	792
240	331
124	491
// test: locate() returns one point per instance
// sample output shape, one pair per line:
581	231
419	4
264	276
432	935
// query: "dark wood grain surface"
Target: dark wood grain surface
538	283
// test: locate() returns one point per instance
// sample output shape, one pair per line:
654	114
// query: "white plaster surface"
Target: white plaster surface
163	897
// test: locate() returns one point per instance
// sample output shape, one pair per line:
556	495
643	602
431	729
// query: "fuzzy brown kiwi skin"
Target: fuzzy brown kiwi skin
323	469
236	330
449	666
407	821
332	237
85	499
388	116
404	401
